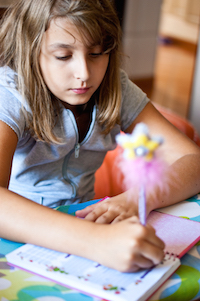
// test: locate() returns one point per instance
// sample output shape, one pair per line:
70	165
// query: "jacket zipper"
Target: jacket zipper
64	173
76	150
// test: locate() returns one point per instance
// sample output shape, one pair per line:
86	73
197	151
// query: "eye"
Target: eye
63	58
94	55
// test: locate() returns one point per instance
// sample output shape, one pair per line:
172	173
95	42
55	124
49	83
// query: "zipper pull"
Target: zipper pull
77	147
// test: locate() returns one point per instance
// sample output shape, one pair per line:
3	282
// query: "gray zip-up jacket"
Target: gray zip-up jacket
53	174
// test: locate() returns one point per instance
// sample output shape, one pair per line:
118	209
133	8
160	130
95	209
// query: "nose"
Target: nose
81	69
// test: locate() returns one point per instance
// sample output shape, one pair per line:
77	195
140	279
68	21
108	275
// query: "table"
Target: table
183	285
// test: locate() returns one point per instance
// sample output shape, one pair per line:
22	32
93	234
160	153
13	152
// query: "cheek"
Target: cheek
103	67
48	73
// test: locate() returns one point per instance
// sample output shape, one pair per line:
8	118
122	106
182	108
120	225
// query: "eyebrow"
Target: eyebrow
60	45
67	46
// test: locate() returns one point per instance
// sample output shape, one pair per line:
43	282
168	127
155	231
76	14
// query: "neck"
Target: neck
77	110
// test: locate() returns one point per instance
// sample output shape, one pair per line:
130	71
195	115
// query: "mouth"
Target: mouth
80	90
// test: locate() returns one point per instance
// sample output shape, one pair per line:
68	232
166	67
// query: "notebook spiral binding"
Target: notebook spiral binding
169	255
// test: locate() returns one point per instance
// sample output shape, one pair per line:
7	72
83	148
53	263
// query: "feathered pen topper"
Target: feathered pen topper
140	164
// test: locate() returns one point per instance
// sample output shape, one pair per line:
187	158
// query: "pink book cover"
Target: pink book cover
179	234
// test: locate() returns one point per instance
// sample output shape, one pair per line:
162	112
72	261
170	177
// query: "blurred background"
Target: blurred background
160	39
161	51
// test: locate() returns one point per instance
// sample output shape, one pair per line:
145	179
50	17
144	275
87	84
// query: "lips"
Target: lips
80	90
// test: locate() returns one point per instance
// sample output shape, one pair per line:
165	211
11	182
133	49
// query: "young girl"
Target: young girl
63	100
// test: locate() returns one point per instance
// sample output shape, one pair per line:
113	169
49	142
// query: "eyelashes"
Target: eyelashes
96	54
63	58
68	57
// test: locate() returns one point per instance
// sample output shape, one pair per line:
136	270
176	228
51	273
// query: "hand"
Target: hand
128	246
110	210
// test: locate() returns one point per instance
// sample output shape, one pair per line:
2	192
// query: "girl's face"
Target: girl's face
72	71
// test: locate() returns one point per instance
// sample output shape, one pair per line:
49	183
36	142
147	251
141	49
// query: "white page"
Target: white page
91	277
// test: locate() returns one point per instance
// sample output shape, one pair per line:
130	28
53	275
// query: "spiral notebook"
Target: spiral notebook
94	279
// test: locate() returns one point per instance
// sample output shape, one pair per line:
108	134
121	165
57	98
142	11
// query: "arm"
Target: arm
183	156
22	220
181	153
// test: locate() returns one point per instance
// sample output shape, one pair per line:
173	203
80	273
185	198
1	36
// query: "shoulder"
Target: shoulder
133	100
7	77
129	88
9	87
11	101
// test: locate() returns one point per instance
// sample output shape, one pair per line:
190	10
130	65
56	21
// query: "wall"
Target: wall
140	27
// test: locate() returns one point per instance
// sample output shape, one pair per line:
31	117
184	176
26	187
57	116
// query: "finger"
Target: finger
141	262
148	234
96	213
153	238
133	219
122	217
151	252
138	262
103	214
117	219
106	218
112	216
83	212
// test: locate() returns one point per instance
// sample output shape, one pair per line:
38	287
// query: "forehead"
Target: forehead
62	31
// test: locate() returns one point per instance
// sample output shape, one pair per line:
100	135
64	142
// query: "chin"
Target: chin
77	101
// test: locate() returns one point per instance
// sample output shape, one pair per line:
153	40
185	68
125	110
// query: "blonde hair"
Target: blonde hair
20	44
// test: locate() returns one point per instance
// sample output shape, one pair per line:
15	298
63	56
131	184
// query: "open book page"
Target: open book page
91	277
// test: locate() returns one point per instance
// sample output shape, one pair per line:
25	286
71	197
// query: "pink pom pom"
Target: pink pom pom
142	173
140	165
